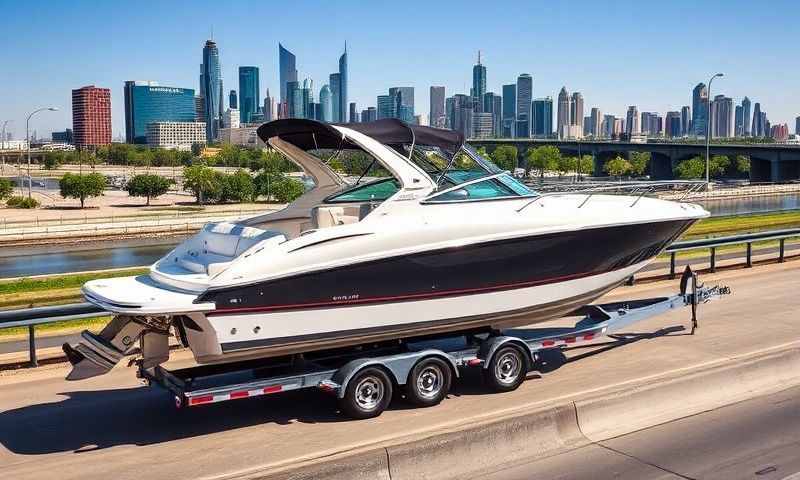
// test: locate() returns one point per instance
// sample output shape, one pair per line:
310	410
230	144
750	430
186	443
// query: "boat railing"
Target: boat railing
634	189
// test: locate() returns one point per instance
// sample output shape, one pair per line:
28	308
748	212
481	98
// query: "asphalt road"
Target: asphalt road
757	439
113	427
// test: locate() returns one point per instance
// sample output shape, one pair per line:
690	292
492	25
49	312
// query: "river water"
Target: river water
25	261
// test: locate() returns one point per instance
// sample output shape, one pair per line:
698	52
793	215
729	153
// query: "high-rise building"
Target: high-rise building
746	117
147	102
249	93
780	132
91	116
212	89
230	119
233	101
524	104
595	119
461	115
493	104
369	115
509	110
343	79
437	116
673	125
479	82
482	126
738	122
757	129
608	126
326	108
353	113
180	135
797	126
386	107
288	73
564	116
269	114
576	111
722	117
632	121
403	98
650	124
57	137
335	82
686	120
199	108
542	117
700	110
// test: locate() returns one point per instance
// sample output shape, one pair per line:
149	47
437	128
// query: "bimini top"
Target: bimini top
313	135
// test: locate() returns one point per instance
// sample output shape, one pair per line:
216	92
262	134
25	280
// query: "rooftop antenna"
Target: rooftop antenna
479	57
212	32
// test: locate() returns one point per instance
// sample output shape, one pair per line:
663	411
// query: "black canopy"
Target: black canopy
310	134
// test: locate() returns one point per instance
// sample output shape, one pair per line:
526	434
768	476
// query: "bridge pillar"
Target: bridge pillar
660	167
760	170
600	159
784	171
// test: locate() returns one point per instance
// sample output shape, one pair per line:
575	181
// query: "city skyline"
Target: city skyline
374	66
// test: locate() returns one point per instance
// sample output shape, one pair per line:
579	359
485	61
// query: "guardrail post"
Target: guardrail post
672	266
713	260
749	254
32	346
781	250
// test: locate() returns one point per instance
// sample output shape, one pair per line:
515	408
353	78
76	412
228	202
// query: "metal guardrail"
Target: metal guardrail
30	317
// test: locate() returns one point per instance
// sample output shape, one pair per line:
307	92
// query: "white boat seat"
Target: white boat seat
324	216
221	244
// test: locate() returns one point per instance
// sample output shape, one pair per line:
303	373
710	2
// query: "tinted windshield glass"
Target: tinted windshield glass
448	170
376	191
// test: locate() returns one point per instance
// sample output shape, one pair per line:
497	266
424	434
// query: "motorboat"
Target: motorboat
429	238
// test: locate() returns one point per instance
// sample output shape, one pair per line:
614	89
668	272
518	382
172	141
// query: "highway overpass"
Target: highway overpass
768	162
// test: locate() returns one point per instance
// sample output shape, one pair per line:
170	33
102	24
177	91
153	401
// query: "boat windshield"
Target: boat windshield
459	176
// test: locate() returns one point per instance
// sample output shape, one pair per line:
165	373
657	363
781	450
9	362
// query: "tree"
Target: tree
586	165
204	182
543	158
53	160
287	190
617	166
6	188
505	157
237	187
82	186
639	162
148	186
197	149
742	163
691	169
265	180
567	164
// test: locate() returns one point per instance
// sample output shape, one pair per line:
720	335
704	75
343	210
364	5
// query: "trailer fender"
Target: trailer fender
397	366
493	344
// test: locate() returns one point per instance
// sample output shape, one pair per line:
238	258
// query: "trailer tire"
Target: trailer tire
368	394
428	382
506	369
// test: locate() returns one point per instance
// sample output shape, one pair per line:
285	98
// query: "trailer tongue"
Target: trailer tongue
363	378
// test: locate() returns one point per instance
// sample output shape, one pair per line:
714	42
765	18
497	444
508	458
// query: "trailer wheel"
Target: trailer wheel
368	394
429	382
506	369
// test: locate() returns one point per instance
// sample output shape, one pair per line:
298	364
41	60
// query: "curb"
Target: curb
480	447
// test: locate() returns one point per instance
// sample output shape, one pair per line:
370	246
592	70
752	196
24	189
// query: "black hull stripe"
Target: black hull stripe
507	319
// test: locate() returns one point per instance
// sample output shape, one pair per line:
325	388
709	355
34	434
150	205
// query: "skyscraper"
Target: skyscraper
212	89
386	107
673	125
437	116
233	101
797	126
746	117
686	120
493	105
632	121
758	126
353	113
326	113
738	122
700	110
542	117
249	93
343	77
576	111
147	102
608	126
91	116
288	73
479	82
563	119
403	98
509	110
269	114
524	99
596	118
335	82
722	117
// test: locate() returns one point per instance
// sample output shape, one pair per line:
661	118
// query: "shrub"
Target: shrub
148	186
22	202
287	190
6	188
203	181
237	187
617	167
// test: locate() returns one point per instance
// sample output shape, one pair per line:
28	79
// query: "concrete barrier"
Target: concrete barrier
481	447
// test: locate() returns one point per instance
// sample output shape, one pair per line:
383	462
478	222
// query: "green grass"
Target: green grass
60	282
732	225
66	326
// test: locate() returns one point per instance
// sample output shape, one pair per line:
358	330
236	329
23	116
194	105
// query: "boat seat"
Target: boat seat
221	244
324	216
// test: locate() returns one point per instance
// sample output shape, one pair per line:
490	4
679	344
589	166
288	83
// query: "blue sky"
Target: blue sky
616	53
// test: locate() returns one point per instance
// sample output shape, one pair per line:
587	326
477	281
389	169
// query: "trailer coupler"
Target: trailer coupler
695	293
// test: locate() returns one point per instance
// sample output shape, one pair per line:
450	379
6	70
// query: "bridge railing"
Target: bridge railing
30	317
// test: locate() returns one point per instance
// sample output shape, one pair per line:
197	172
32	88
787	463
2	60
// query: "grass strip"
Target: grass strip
739	224
61	282
57	328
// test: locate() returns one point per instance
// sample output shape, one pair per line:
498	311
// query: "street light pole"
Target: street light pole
708	129
28	138
3	146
